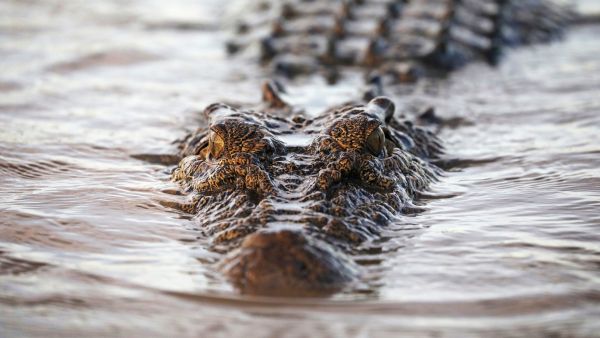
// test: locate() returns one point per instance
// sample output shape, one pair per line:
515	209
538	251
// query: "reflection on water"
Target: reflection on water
508	245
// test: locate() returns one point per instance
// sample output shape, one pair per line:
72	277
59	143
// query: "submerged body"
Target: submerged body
403	39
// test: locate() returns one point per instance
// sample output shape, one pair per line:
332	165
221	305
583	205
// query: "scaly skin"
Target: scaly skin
402	39
289	214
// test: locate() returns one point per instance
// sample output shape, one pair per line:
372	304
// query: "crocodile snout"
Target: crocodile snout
288	263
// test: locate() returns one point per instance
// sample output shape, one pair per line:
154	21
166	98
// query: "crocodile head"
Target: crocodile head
288	197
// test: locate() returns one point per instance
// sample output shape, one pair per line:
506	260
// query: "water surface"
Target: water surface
508	245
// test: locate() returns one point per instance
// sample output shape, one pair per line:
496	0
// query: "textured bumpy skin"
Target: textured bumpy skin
405	39
290	196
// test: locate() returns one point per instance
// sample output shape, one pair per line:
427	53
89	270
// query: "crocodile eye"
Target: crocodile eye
376	141
216	145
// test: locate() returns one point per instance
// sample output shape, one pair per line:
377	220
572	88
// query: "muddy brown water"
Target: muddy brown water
508	245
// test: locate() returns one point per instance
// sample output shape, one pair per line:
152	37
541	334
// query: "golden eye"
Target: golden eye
376	141
216	145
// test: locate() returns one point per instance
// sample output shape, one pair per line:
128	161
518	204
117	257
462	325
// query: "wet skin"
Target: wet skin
289	215
404	40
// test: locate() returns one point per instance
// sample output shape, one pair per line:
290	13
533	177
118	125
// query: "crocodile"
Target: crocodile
293	195
287	197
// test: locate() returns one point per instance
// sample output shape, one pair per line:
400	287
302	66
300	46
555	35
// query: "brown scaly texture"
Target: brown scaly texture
289	213
288	198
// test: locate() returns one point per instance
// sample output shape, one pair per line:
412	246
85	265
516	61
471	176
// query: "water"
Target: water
508	245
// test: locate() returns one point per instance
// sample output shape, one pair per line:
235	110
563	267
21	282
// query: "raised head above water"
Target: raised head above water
289	197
